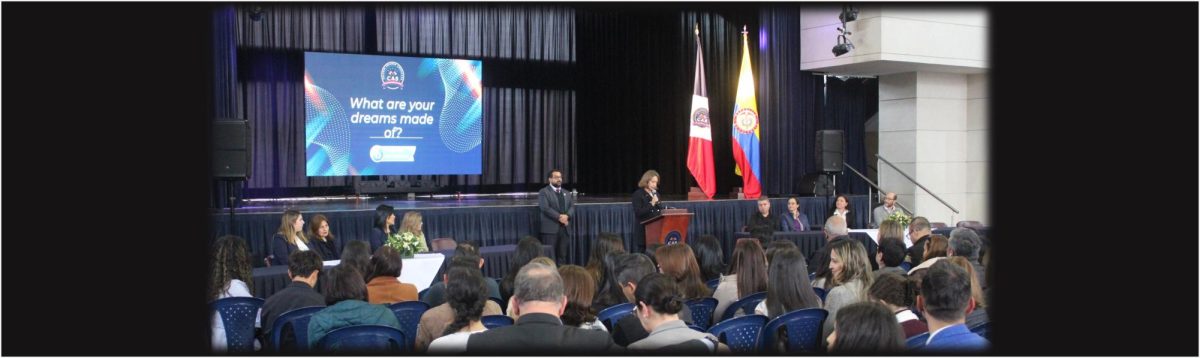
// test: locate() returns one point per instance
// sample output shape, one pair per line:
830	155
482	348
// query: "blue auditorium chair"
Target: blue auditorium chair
364	339
238	314
803	331
298	320
746	304
496	320
609	316
740	334
702	311
409	314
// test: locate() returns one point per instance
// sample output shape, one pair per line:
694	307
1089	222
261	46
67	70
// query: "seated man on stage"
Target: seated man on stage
763	223
882	212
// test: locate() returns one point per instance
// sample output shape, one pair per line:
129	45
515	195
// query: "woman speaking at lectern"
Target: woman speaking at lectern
645	206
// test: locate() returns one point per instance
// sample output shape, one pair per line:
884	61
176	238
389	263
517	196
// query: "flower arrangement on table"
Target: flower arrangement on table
900	218
406	243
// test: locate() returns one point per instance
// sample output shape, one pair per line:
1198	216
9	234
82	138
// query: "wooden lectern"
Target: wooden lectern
668	228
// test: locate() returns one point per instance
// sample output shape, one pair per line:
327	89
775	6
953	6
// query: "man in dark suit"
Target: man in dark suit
763	222
538	302
919	229
303	268
835	227
557	208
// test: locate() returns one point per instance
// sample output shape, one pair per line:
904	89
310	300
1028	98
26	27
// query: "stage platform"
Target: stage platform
504	219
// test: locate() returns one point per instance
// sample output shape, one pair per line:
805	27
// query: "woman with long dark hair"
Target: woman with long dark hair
606	243
466	293
788	288
385	220
710	257
528	249
747	275
865	328
580	289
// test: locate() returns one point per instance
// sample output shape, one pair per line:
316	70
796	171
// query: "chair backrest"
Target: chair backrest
803	331
409	314
298	320
421	295
937	225
740	334
906	266
702	311
443	243
610	315
238	314
496	320
982	329
500	303
970	224
745	304
820	293
713	283
368	338
916	341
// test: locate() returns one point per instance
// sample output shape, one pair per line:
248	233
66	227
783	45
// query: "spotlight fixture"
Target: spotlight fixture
849	13
257	13
843	43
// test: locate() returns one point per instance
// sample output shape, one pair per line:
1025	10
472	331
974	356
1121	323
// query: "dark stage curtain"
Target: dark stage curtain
849	103
790	102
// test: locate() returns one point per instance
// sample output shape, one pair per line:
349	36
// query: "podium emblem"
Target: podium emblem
672	238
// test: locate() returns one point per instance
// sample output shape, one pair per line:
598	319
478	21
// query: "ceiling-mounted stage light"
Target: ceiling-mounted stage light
849	13
843	43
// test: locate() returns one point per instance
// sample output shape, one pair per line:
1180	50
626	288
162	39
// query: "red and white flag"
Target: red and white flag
700	154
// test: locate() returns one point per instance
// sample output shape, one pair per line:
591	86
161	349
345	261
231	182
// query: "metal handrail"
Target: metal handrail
885	161
877	188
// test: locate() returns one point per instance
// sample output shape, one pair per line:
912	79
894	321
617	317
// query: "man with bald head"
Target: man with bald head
882	212
835	227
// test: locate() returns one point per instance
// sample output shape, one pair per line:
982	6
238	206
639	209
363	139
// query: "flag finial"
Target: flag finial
697	29
744	30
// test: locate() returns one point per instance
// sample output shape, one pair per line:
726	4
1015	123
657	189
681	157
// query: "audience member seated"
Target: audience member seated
383	281
788	288
919	231
231	277
965	243
434	321
356	255
979	315
542	260
841	208
659	301
580	289
629	269
747	276
303	268
539	300
289	238
607	242
411	230
898	293
889	255
347	300
436	294
527	249
467	295
609	293
322	240
835	227
795	220
763	221
866	328
385	220
850	274
946	300
710	257
777	246
935	249
678	262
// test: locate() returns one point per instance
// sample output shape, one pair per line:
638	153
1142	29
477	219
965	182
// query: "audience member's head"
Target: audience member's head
946	293
935	247
357	254
609	292
679	262
822	264
527	249
848	262
652	252
835	226
918	228
629	269
710	256
539	289
386	262
893	290
749	263
304	266
890	252
976	288
345	283
777	246
658	300
580	290
607	242
545	261
788	288
466	293
866	328
964	242
890	229
230	261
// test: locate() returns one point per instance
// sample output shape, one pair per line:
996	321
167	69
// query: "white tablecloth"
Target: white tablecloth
420	269
874	234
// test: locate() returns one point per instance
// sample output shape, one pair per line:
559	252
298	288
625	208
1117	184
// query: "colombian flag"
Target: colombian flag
745	128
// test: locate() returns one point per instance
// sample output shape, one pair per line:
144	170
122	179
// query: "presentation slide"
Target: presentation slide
392	115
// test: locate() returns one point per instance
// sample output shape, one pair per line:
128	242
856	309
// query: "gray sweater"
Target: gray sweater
841	296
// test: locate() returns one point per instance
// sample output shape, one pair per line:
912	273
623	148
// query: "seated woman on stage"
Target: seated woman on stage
385	218
347	300
231	277
794	220
841	207
383	281
411	229
289	238
323	241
